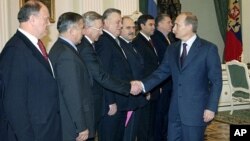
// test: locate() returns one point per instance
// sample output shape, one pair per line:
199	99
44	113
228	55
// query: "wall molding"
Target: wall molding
4	26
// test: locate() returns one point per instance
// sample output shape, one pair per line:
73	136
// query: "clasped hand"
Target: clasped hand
136	87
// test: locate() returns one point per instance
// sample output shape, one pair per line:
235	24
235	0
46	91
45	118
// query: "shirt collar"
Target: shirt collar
125	39
190	41
109	33
148	38
68	41
91	42
32	38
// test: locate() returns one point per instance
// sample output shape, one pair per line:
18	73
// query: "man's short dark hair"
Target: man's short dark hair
66	20
143	19
28	9
159	18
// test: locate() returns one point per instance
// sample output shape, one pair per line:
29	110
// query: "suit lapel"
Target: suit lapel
111	39
115	44
79	56
194	50
85	40
36	53
177	54
69	46
148	43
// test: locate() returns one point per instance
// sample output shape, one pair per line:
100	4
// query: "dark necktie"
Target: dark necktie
43	50
131	45
151	42
118	42
184	53
93	45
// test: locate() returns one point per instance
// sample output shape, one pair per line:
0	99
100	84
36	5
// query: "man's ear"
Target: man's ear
105	22
31	19
190	26
142	25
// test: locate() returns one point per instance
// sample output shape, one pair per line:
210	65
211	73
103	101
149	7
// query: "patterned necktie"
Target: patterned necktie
43	50
184	53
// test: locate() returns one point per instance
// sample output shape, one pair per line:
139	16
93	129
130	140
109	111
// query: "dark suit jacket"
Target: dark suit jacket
143	46
95	67
161	45
116	64
30	98
3	127
76	99
136	63
100	76
196	86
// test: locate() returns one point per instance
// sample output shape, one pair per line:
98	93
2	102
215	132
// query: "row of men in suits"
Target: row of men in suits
76	73
78	76
128	57
50	97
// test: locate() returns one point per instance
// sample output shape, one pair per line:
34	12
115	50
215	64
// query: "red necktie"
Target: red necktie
43	50
184	53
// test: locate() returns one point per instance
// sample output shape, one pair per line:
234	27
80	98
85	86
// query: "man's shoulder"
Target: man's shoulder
206	43
59	49
139	39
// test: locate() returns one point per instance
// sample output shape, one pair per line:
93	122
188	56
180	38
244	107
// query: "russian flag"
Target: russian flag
152	8
233	43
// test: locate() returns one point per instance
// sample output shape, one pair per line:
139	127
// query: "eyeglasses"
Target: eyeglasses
98	29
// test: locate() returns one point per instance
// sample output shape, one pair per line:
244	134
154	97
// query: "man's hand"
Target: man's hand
136	87
112	109
83	136
208	115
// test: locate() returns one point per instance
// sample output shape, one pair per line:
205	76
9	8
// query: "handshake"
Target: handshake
136	87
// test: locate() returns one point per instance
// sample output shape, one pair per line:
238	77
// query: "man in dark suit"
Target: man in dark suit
162	38
30	98
76	99
136	63
115	63
195	67
143	44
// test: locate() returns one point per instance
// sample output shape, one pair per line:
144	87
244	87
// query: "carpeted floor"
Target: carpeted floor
238	117
217	131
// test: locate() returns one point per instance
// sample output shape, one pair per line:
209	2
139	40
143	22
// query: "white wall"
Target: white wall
245	30
207	22
61	6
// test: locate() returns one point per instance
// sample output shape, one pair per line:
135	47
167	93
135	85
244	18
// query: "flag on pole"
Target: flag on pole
152	8
233	43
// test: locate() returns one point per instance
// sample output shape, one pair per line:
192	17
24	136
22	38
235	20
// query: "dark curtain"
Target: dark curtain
143	6
221	8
